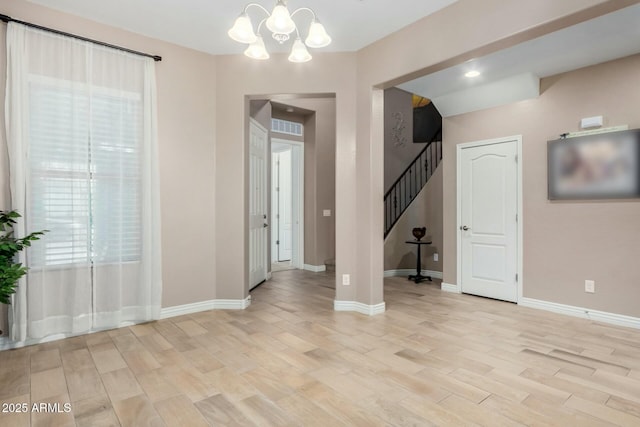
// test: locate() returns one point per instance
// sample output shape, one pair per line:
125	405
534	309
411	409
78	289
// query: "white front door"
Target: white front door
281	227
488	223
257	203
284	206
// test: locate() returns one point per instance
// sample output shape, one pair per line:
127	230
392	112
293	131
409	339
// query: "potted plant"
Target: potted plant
10	270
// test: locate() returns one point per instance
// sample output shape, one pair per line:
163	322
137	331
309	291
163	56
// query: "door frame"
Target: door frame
297	253
519	236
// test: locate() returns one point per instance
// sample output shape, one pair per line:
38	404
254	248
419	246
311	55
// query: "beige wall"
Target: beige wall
186	131
462	31
564	242
238	77
319	172
425	211
204	166
320	135
398	157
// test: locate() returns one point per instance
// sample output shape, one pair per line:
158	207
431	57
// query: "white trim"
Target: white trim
448	287
520	210
358	307
315	268
408	271
232	304
196	307
584	313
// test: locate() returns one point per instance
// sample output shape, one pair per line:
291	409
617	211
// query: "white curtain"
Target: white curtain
82	138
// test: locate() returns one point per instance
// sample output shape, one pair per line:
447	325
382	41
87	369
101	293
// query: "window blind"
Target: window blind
287	127
84	175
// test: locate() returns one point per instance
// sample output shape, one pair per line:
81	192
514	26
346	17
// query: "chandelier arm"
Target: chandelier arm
246	8
302	9
260	25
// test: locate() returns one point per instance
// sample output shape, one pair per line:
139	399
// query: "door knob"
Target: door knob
265	225
464	227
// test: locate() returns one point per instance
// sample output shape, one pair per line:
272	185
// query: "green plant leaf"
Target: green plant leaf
10	271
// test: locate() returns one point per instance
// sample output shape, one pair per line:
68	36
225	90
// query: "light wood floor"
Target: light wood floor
432	359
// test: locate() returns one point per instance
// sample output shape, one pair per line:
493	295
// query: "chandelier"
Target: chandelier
280	23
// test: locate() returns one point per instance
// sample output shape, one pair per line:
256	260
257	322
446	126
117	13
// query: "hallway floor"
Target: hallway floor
289	360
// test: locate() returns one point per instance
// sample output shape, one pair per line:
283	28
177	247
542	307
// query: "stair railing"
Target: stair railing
405	189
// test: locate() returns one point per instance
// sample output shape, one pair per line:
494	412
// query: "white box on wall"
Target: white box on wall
591	122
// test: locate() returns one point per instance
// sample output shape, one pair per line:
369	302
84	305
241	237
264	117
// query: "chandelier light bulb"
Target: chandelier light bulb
280	21
256	50
242	30
317	36
299	52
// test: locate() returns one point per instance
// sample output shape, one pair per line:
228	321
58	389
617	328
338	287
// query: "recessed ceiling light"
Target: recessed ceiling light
472	73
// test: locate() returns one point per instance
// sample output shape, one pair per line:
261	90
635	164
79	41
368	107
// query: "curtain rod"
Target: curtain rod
7	19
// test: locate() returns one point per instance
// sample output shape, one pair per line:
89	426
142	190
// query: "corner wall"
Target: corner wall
459	32
565	242
425	211
399	148
320	171
237	78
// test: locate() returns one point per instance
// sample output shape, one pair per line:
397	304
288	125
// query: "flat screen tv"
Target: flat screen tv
600	166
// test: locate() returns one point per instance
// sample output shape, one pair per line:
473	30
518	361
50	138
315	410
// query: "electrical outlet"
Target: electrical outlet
346	280
435	257
590	286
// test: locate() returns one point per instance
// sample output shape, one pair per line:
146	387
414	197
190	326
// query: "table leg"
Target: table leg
418	277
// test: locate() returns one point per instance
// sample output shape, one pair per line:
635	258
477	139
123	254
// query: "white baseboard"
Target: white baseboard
369	310
315	268
448	287
214	304
407	271
585	313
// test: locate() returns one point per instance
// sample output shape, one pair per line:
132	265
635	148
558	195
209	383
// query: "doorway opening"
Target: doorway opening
299	217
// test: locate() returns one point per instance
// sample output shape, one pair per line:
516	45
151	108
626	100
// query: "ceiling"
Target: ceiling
506	76
203	24
602	39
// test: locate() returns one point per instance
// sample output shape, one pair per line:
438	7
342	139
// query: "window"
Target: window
285	126
81	125
85	174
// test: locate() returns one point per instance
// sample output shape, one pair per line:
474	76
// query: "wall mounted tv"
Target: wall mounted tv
600	166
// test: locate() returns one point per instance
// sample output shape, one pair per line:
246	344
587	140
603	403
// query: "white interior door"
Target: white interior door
284	206
257	203
287	195
488	228
281	204
274	204
297	205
